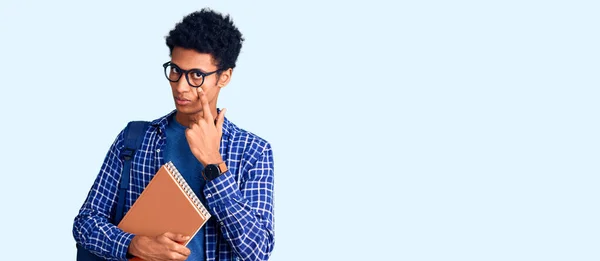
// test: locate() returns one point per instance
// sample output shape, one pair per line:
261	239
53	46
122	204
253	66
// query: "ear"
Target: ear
224	78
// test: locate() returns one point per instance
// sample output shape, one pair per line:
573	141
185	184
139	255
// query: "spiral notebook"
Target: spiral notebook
167	204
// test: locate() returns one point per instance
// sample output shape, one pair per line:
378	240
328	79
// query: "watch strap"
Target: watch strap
222	167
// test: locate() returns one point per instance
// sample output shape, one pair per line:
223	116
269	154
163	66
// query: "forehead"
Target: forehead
188	59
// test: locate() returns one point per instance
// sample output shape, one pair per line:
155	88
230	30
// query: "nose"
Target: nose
182	85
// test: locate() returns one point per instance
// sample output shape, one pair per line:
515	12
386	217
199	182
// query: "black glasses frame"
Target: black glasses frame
186	73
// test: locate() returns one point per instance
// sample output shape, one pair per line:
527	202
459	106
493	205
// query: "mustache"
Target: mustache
183	98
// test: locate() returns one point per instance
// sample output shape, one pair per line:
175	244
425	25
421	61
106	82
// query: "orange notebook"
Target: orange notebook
167	204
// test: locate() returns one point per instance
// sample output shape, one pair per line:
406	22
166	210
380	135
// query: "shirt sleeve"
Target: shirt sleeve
245	212
92	228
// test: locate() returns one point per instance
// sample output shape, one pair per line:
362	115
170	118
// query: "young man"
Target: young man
196	137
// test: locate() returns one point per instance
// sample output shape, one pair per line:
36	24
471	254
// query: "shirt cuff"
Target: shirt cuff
122	245
220	193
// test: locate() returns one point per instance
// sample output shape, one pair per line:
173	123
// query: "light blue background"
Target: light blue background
415	130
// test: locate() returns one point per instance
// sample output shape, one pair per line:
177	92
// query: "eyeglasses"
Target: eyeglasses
194	77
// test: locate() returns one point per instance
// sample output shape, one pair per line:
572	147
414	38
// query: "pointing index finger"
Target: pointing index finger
206	108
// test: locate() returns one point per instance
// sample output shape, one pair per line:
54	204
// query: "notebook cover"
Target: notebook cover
167	204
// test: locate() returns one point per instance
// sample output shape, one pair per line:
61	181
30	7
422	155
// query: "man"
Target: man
204	48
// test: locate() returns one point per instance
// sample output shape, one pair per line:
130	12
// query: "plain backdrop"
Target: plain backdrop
401	130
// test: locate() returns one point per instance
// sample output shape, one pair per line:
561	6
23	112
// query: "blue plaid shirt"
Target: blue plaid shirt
240	200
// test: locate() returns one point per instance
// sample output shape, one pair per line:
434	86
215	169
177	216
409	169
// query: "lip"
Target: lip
182	101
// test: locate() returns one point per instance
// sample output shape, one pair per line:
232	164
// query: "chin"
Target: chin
187	109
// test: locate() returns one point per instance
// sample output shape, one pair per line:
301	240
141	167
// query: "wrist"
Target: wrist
213	160
133	249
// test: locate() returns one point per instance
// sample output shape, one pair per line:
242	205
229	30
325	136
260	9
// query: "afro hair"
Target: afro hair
210	32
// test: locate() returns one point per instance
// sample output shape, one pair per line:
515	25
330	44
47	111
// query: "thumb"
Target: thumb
177	237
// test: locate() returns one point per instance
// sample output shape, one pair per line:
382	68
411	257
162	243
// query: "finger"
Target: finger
168	235
188	133
205	108
221	120
176	256
180	249
176	237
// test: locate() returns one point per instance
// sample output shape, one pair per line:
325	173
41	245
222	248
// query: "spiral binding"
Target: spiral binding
187	189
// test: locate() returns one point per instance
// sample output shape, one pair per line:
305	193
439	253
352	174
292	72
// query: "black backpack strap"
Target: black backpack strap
134	136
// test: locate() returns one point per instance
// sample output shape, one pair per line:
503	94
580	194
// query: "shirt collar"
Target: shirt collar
161	123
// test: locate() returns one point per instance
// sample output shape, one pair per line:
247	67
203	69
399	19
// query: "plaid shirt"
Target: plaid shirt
240	200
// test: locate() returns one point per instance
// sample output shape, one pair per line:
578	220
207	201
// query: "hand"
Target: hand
167	246
204	136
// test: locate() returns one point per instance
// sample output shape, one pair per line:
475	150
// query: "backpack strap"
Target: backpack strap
134	136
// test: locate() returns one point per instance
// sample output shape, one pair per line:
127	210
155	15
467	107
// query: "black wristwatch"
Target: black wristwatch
212	171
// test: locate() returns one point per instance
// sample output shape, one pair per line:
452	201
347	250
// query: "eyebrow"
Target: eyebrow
193	69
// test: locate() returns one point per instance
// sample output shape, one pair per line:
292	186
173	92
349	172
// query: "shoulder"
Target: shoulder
146	129
242	140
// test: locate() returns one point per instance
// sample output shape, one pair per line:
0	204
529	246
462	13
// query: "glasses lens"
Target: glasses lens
173	73
196	78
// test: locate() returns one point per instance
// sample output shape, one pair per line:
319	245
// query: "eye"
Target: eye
175	70
197	75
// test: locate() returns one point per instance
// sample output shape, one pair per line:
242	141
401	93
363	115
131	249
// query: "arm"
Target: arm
245	212
92	228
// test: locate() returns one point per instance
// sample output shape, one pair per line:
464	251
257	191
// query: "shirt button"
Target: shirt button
157	150
208	195
222	224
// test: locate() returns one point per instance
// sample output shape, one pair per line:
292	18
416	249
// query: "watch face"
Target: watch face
212	171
